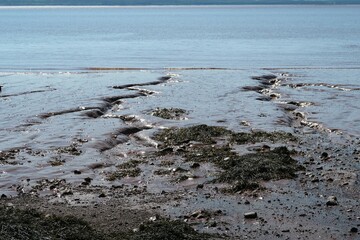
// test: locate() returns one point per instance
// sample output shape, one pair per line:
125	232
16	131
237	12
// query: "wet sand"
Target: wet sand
97	154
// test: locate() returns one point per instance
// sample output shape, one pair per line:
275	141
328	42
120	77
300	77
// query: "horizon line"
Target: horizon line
174	5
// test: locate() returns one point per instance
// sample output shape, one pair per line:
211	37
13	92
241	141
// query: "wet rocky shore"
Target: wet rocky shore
184	165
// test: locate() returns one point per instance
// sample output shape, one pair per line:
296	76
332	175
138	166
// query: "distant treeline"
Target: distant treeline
166	2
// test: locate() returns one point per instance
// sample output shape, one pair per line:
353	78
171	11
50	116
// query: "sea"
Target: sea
58	63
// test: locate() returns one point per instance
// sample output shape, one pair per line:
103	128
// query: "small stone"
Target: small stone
213	224
88	180
196	213
331	201
250	215
247	202
10	205
324	155
102	195
354	230
67	193
77	172
3	196
179	169
200	186
153	219
218	212
195	165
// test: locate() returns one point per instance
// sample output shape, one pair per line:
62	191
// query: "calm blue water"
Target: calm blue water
236	37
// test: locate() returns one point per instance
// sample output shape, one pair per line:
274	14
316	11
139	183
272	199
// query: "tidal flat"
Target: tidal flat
175	154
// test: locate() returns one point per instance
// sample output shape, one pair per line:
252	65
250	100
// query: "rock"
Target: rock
195	165
154	218
179	169
3	196
212	224
102	195
0	88
247	202
67	193
77	172
200	186
88	180
324	155
331	201
354	230
250	215
10	205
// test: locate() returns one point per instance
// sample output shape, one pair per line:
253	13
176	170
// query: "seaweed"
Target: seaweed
199	133
169	113
244	172
166	230
254	137
130	164
32	225
121	173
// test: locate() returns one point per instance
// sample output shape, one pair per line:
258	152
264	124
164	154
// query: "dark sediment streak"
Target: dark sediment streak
79	109
127	86
25	93
120	136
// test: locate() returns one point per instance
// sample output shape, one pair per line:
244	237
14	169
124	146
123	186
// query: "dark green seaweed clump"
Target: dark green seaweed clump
31	225
243	172
71	150
167	230
121	173
169	113
130	164
199	133
9	157
254	137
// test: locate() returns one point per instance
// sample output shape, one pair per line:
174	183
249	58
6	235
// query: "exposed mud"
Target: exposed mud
204	178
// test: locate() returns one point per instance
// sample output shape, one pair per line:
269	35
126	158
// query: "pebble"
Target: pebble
200	186
10	205
3	196
88	180
250	215
331	201
77	172
324	155
212	224
195	165
354	230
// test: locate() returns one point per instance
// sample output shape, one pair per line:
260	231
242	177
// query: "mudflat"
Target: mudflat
180	155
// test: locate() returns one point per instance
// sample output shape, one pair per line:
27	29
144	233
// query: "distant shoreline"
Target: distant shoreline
171	6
